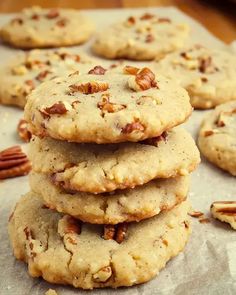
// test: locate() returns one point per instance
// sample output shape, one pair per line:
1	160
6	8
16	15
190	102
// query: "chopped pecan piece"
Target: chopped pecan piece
62	22
131	20
13	162
208	133
42	75
28	233
195	214
130	127
115	232
69	225
204	64
108	107
147	16
103	274
52	13
204	79
23	131
130	70
204	220
17	20
35	16
164	20
145	79
57	108
149	38
121	231
98	70
109	232
155	140
89	87
30	83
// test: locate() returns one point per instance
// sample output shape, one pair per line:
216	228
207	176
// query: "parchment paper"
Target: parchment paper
208	264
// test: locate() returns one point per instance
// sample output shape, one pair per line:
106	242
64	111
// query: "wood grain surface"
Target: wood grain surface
218	16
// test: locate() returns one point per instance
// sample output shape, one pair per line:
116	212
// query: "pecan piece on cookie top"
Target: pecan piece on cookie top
115	232
89	87
97	70
58	108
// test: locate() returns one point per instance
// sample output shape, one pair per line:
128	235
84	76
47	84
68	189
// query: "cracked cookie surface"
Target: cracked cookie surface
209	75
38	28
114	166
122	205
63	250
107	108
28	70
143	37
217	137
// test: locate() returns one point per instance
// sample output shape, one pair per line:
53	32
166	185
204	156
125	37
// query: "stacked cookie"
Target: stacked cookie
107	205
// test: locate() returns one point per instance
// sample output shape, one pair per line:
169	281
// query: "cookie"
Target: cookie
217	137
225	211
62	250
120	206
40	28
143	37
28	70
209	75
114	166
107	108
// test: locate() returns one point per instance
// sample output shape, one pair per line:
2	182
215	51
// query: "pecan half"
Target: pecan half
225	211
97	70
52	13
130	70
23	131
115	232
130	127
57	108
89	87
13	162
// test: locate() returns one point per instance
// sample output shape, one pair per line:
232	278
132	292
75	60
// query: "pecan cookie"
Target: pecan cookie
39	28
107	108
65	251
114	166
209	75
143	37
120	206
28	70
217	137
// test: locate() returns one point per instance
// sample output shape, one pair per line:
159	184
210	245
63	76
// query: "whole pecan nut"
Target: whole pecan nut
13	162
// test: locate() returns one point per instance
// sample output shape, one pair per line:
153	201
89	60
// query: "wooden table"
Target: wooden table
219	16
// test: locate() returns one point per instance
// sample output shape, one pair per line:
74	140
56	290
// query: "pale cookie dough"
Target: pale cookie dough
107	108
120	206
28	70
143	37
114	166
65	251
217	137
225	211
209	75
39	28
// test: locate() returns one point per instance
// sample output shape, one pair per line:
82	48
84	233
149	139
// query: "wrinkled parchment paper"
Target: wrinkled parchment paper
208	264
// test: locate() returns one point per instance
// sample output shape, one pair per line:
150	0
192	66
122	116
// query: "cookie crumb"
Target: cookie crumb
51	292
